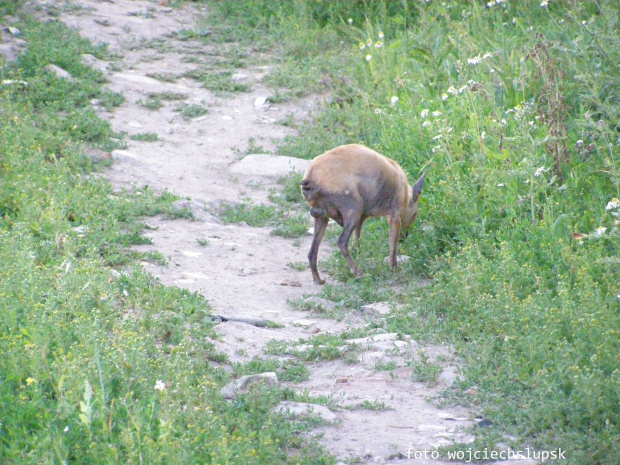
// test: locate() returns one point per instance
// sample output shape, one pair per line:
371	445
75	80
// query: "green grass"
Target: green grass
221	82
153	102
512	111
191	110
287	216
145	137
100	363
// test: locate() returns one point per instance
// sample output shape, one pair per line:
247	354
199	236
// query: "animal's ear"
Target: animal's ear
417	188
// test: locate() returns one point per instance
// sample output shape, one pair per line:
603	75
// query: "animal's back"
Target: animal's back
349	166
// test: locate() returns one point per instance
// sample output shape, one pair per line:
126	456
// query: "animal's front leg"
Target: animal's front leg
394	222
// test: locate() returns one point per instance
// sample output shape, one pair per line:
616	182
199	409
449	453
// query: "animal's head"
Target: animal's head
411	213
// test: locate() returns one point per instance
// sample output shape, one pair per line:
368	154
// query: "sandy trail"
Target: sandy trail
243	270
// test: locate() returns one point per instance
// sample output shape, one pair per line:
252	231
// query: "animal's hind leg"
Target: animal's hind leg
358	228
320	224
351	221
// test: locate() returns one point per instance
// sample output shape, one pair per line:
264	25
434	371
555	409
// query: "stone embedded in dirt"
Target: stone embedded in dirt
386	453
137	79
448	376
126	157
13	31
243	384
260	102
400	259
59	72
300	409
239	77
450	416
196	275
11	50
401	344
370	340
271	166
191	254
378	308
197	208
438	428
220	206
323	304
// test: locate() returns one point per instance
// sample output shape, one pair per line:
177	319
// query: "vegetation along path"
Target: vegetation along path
245	271
194	334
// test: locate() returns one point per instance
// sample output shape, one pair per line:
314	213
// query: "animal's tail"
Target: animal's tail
308	189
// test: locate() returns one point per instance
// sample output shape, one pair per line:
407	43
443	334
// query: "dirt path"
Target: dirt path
243	270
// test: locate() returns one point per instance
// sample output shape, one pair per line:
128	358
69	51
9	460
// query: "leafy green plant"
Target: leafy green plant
145	137
191	110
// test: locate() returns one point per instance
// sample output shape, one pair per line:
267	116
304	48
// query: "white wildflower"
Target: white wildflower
437	137
350	21
160	385
483	134
379	44
452	90
544	3
436	114
487	55
394	100
600	231
434	149
368	57
614	203
474	61
426	124
461	89
381	35
424	113
378	111
501	184
444	97
362	45
539	171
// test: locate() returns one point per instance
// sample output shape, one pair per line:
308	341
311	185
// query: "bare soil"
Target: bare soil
243	270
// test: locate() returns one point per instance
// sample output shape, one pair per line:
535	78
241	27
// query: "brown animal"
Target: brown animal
351	183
